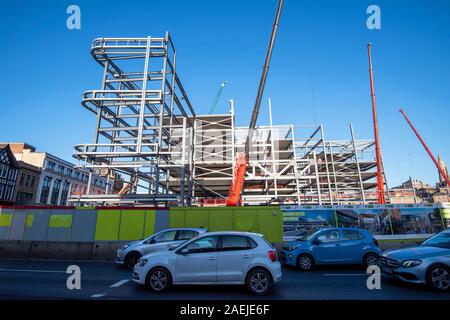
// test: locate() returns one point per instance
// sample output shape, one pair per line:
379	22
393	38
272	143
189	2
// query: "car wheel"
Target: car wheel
158	280
370	259
438	277
131	259
305	262
259	282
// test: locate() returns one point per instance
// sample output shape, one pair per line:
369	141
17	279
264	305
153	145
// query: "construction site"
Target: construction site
149	134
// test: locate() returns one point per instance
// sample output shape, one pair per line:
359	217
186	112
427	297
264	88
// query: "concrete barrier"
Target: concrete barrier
106	250
15	249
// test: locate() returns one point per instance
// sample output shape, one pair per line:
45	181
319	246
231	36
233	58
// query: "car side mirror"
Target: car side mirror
184	251
317	242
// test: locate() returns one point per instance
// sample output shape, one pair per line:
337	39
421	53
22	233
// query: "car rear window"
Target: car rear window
187	234
352	235
234	242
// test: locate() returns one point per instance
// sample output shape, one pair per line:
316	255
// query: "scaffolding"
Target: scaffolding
148	133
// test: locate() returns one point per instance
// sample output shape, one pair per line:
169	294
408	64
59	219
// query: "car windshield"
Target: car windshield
441	240
307	235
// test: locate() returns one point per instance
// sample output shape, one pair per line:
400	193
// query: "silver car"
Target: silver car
229	257
130	253
428	263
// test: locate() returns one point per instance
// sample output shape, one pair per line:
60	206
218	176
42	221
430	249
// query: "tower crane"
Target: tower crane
216	99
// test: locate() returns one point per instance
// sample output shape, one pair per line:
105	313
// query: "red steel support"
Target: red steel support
441	171
380	180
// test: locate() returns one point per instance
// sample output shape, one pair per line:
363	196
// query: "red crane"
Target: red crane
237	184
380	180
441	171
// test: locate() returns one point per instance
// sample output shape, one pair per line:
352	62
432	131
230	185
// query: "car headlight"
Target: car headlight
125	246
411	263
141	262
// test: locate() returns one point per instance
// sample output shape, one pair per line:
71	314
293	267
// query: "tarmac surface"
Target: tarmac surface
46	279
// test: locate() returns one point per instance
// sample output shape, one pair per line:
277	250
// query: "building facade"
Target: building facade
49	180
8	174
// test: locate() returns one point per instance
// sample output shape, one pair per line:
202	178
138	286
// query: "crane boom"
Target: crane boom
234	194
441	171
216	99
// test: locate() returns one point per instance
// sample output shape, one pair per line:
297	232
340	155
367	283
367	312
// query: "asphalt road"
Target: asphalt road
45	279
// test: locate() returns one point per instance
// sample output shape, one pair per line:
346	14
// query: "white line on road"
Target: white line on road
98	295
31	270
119	283
345	274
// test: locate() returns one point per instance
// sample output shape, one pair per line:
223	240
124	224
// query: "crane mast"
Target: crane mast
234	194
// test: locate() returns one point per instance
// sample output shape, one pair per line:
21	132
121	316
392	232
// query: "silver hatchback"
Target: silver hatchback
130	253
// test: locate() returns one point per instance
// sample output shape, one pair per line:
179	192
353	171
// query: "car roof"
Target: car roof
342	228
237	233
201	230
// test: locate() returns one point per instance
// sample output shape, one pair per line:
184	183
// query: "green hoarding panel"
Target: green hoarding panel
196	218
60	221
221	220
246	220
5	219
30	220
270	223
107	227
132	225
267	220
150	218
176	217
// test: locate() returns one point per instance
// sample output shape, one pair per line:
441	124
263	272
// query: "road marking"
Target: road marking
119	283
98	295
345	274
31	270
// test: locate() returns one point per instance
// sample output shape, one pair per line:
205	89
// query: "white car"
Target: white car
212	258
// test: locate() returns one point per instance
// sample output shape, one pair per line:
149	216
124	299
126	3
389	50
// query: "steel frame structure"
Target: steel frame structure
144	121
147	132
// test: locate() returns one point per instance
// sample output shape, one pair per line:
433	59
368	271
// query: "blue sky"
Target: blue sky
318	72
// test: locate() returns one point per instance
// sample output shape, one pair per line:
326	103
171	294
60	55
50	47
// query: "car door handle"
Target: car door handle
211	258
246	256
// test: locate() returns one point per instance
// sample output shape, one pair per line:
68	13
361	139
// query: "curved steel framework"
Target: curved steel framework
144	121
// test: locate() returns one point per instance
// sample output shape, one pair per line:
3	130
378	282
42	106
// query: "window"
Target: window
4	171
24	198
165	236
352	235
441	240
22	179
205	244
45	189
51	165
61	169
55	192
187	234
236	243
33	181
27	181
77	175
64	193
329	236
69	172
